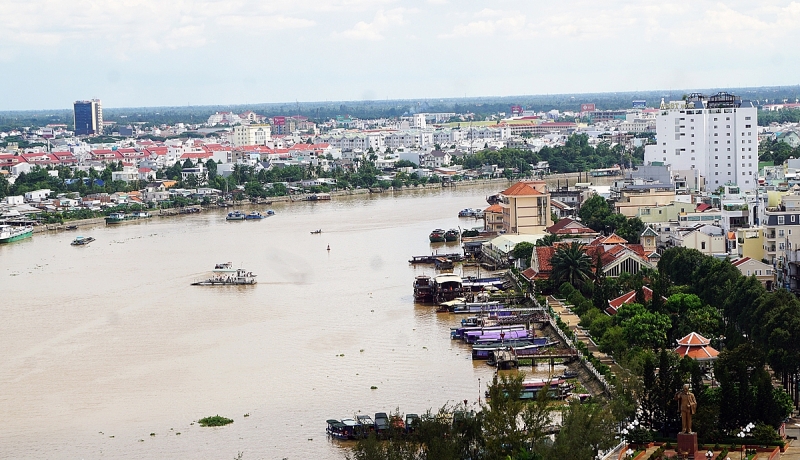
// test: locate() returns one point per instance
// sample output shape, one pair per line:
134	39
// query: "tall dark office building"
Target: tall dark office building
88	117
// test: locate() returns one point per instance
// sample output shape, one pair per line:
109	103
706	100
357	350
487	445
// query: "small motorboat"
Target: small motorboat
270	212
316	232
71	227
82	241
255	215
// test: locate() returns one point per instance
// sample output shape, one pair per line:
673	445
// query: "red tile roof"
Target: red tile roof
521	189
628	297
494	208
577	228
696	347
702	207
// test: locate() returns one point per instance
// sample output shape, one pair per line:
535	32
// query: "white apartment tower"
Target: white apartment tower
716	135
255	134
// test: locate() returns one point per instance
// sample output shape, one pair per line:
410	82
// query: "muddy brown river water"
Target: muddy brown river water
104	345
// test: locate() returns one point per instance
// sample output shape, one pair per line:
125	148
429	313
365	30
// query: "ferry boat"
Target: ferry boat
437	236
451	235
240	278
120	217
236	215
255	215
82	240
467	212
10	233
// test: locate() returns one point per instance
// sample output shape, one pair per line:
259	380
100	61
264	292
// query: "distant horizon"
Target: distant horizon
600	94
204	53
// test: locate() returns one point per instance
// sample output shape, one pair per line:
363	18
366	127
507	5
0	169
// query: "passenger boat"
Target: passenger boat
318	197
240	278
255	215
451	235
226	267
236	215
423	289
467	212
82	240
437	236
11	233
446	286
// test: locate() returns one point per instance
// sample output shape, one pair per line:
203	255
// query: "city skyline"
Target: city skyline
206	53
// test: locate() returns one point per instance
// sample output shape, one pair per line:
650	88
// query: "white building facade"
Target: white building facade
716	135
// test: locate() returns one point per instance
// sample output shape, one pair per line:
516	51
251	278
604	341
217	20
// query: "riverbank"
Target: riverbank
551	180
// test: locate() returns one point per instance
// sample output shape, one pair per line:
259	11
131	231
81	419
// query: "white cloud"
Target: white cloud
374	30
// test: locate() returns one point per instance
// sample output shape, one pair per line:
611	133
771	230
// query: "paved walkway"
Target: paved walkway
792	452
572	321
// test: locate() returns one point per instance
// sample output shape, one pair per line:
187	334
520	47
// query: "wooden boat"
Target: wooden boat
412	422
82	240
367	424
446	286
423	289
316	232
241	278
381	423
71	227
436	236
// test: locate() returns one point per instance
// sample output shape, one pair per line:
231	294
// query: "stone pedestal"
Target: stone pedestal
687	442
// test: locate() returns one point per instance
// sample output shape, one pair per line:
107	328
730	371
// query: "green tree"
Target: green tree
571	264
594	212
586	429
211	166
523	251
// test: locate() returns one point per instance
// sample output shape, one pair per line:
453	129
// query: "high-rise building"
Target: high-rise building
88	117
255	134
716	135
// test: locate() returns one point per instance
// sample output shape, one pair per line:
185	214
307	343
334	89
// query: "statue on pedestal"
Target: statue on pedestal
688	406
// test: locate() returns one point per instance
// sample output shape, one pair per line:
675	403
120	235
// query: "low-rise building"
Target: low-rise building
764	273
526	208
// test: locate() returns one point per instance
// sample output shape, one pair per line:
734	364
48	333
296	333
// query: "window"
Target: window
747	118
791	219
702	245
780	233
780	220
747	126
781	246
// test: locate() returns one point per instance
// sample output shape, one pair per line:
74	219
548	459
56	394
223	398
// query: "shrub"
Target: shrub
215	420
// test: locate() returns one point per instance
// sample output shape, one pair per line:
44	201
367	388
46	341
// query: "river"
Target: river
104	345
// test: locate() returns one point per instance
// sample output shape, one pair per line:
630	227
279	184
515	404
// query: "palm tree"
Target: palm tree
571	264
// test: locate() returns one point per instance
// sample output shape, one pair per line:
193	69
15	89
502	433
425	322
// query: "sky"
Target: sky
134	53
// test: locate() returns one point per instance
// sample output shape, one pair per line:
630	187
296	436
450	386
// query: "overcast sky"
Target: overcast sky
178	52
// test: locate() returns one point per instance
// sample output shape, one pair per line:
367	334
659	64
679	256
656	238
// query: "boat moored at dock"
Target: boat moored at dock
436	236
446	286
451	235
11	233
255	215
121	217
